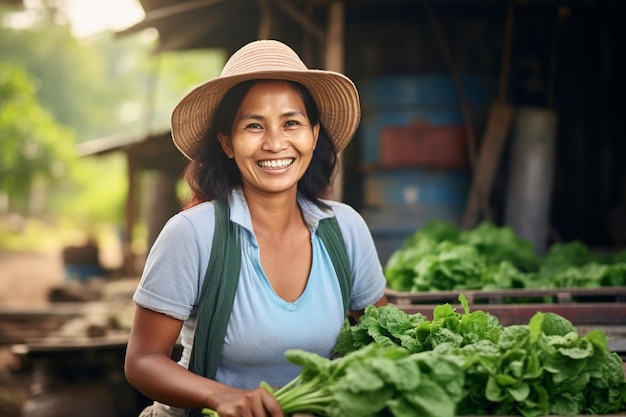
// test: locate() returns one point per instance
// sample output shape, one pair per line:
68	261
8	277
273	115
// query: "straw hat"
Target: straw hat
335	95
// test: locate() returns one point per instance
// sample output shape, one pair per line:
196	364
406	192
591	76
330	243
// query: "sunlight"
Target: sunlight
86	18
90	17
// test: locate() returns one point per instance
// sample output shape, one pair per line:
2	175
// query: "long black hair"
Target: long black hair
212	175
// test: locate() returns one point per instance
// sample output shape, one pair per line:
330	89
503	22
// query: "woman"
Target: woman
262	140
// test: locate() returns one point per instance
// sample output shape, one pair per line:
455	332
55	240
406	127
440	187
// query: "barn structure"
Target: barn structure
473	110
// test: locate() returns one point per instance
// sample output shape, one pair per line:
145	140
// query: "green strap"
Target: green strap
330	233
218	295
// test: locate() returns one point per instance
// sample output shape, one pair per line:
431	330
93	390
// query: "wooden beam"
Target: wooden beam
334	57
335	37
131	216
307	24
265	24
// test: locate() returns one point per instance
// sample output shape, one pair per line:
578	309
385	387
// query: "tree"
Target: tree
88	89
33	146
74	81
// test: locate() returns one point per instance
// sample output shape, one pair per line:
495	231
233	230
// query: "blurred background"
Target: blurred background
473	110
67	80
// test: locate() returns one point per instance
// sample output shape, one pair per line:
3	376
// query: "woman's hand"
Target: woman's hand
231	402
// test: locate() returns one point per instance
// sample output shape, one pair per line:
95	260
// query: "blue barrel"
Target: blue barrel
436	189
403	100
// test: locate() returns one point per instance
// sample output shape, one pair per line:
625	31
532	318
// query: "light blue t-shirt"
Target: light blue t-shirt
262	325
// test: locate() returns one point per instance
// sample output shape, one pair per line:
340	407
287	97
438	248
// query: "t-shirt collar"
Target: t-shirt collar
240	213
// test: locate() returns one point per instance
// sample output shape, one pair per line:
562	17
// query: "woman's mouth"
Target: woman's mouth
276	163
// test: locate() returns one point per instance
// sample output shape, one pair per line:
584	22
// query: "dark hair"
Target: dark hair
212	175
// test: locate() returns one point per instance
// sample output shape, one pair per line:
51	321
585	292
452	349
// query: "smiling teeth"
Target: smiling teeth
276	163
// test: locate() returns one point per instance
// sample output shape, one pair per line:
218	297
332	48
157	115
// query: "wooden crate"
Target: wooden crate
587	308
582	306
556	295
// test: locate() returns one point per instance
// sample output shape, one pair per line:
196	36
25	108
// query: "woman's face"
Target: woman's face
272	139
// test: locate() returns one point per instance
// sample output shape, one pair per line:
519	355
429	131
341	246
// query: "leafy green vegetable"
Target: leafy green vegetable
499	244
441	257
394	364
373	381
532	370
437	231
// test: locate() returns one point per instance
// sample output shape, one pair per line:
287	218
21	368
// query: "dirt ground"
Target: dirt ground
26	277
25	280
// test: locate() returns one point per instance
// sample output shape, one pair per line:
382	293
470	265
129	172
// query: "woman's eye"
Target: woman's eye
292	123
253	126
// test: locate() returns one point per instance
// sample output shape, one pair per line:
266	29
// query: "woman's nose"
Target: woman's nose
274	140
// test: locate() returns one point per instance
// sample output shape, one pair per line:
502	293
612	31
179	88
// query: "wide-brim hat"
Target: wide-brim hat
335	94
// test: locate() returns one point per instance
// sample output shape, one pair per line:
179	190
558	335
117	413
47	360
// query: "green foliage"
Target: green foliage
57	91
54	92
499	244
374	381
17	234
96	193
71	79
34	146
440	257
177	73
389	325
542	368
456	364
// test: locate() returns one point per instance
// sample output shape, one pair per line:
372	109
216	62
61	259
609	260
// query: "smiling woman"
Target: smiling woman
289	265
89	18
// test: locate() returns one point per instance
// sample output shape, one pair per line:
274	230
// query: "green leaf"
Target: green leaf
442	311
444	335
554	324
405	374
350	403
537	404
598	338
514	337
534	325
505	380
465	303
493	391
566	404
519	392
579	350
430	400
364	378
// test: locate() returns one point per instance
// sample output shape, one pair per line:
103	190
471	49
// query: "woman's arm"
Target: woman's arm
150	369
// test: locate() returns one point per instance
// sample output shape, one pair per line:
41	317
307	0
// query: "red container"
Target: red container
437	146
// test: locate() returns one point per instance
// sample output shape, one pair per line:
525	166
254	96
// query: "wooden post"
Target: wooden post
265	25
335	62
131	215
332	41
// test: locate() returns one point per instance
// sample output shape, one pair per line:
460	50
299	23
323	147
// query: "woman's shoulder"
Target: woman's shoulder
349	219
199	211
199	218
341	209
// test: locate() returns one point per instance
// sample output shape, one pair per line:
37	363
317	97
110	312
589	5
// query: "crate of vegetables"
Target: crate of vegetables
582	307
498	270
